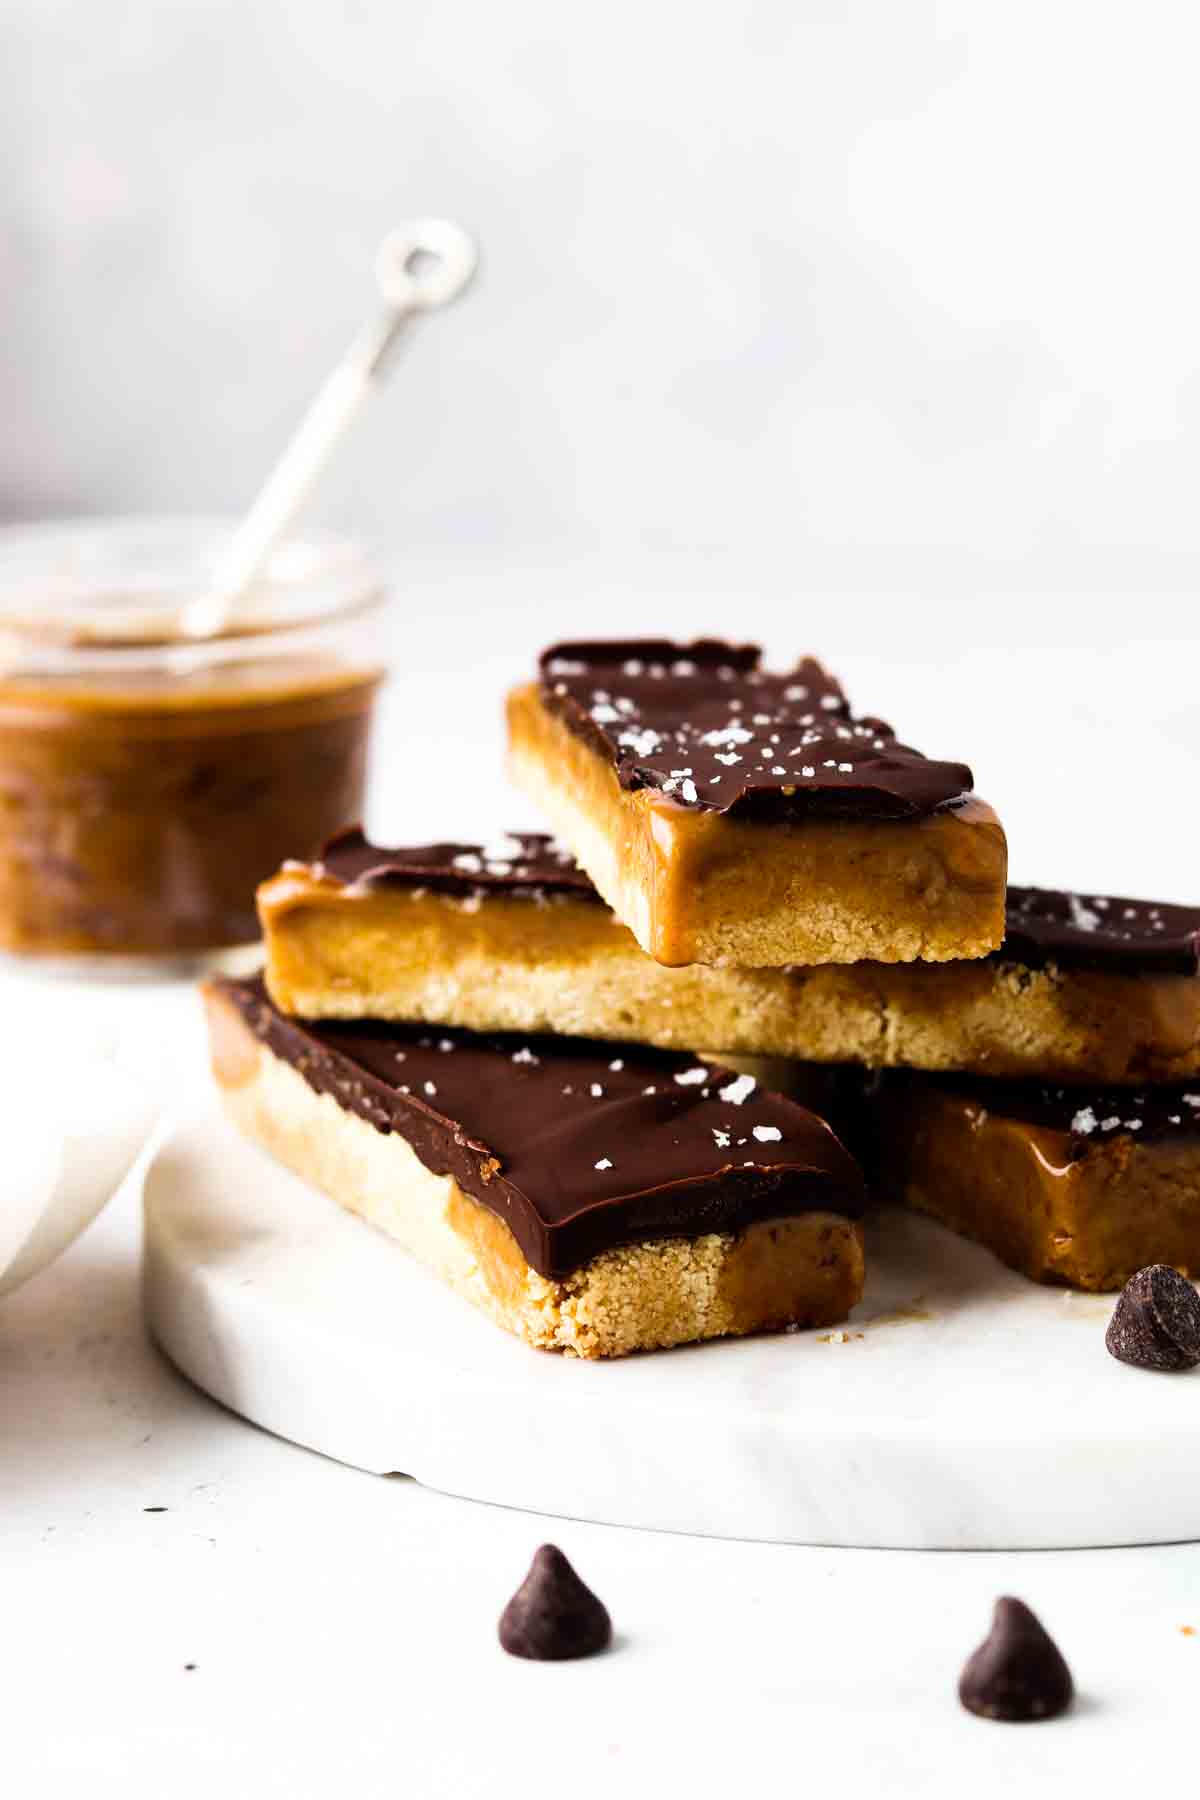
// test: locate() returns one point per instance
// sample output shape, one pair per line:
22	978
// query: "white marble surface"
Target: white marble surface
342	1624
962	1407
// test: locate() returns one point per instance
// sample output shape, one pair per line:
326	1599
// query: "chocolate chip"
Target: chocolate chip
1156	1321
1018	1672
553	1617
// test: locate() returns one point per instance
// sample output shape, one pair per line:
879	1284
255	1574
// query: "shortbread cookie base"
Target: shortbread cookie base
566	965
696	886
1089	1222
803	1271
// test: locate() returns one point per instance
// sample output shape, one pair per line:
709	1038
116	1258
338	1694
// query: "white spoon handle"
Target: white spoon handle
419	268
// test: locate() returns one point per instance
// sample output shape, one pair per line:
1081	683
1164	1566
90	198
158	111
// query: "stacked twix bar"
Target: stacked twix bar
508	1056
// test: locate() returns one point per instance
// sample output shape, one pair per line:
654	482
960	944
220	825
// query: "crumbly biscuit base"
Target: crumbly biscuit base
696	886
1089	1223
803	1271
500	962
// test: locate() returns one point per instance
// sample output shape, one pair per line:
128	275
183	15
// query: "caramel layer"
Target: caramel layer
1085	1214
505	960
138	820
696	886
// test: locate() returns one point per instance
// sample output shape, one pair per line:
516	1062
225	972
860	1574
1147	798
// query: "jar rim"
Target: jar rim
119	583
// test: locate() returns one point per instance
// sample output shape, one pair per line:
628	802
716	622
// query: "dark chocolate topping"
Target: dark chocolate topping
553	1616
705	725
579	1146
1018	1673
524	862
1156	1321
1100	932
1088	1115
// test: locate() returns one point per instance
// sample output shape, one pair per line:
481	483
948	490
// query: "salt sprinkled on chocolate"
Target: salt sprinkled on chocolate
525	865
576	1156
1103	933
715	705
1093	1117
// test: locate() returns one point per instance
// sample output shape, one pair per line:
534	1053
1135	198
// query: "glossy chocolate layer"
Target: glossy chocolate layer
704	724
526	863
578	1146
1087	1115
1100	932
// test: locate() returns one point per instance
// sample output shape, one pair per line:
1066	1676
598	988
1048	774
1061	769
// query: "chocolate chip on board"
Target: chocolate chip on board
553	1617
1156	1321
1018	1673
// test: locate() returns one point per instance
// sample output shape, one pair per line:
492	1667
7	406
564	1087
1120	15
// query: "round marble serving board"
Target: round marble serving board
966	1408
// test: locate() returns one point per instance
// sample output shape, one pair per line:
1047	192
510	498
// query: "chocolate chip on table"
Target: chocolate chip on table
553	1617
1156	1321
1018	1672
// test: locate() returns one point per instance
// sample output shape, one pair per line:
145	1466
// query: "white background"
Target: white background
343	1625
869	328
890	296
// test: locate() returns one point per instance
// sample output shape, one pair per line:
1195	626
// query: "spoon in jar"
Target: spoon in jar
419	268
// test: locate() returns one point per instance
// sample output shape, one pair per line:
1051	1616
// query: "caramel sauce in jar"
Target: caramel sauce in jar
148	782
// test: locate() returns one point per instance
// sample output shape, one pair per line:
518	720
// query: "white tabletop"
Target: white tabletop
342	1626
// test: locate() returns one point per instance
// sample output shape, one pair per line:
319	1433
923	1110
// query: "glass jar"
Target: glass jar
148	782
